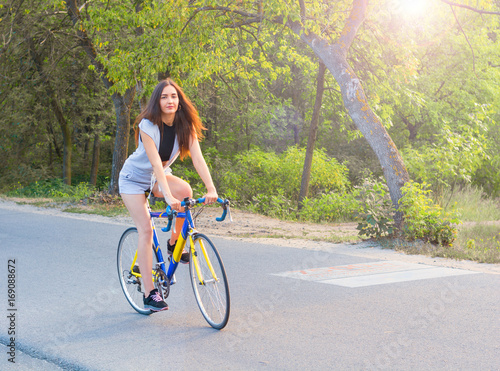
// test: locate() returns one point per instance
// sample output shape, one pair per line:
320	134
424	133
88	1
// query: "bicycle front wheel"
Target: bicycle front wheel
209	281
128	270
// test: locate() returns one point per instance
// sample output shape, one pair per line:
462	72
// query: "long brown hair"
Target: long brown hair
187	122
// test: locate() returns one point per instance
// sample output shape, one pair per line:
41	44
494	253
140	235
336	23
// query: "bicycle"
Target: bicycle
206	270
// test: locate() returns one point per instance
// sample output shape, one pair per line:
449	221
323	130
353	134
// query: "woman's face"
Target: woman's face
169	100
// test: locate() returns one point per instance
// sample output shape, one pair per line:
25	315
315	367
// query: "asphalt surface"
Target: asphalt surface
70	312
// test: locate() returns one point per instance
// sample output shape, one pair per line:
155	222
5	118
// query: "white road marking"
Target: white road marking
373	273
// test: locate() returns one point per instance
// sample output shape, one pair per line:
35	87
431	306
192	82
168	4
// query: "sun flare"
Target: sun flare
413	7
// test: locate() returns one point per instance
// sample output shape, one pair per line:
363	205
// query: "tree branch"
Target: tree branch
257	40
467	39
88	46
469	8
245	22
229	87
222	9
15	20
353	22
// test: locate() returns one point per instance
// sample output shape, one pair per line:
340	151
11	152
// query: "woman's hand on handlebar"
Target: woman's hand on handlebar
210	197
174	203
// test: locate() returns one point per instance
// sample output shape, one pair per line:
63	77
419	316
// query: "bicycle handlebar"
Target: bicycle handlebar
190	203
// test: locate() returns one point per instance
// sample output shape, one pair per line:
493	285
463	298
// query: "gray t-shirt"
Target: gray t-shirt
139	161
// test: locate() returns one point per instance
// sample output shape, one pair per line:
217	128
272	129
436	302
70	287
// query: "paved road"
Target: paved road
291	308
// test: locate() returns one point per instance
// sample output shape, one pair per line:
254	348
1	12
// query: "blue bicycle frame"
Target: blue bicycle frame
187	226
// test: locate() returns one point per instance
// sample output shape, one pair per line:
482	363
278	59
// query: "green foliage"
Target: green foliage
455	156
265	180
375	210
329	207
45	68
275	205
423	219
53	188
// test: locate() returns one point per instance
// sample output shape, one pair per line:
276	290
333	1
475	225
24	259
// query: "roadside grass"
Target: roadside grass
472	205
80	199
478	242
339	238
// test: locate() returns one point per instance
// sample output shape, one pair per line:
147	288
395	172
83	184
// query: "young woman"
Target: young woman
168	127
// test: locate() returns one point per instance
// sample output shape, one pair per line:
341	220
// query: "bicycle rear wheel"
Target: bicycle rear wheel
131	284
209	281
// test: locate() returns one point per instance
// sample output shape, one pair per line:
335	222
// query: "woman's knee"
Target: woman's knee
187	191
180	188
145	229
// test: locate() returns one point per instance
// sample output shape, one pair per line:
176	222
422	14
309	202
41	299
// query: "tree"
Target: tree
332	49
122	101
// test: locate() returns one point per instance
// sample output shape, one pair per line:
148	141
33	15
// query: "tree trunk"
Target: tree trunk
66	131
52	136
335	58
370	126
143	101
311	141
213	130
122	103
95	158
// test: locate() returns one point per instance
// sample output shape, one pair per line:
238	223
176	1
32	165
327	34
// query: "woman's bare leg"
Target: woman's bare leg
137	207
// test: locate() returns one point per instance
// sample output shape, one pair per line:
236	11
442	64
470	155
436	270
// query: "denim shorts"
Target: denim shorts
134	182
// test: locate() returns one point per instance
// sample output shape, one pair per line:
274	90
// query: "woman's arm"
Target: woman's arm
154	158
201	167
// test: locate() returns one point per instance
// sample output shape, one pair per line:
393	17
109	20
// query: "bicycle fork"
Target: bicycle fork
194	256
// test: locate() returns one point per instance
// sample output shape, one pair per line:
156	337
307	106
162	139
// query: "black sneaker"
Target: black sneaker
154	302
184	256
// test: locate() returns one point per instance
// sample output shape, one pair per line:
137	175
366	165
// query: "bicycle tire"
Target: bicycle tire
213	295
131	285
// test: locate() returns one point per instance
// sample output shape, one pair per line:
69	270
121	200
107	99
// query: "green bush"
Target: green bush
217	164
257	176
53	188
274	205
423	219
329	207
13	177
375	210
